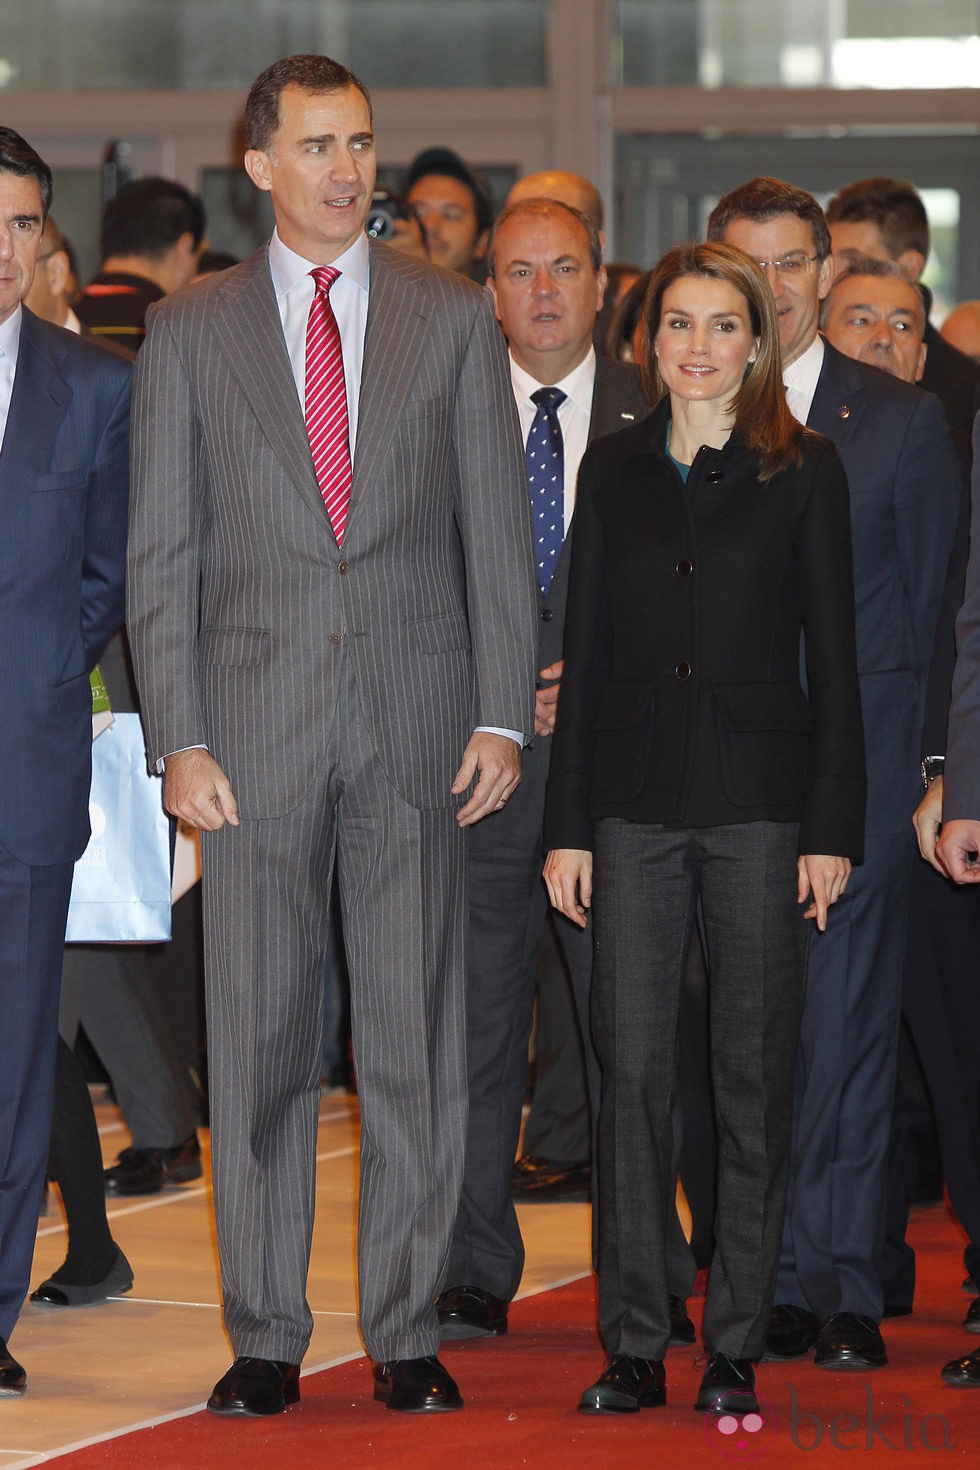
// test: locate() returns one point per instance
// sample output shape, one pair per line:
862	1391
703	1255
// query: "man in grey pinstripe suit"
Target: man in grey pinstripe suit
312	702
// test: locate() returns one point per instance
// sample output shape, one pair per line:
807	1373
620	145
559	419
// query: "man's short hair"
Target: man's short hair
763	199
893	206
541	209
148	217
872	265
446	163
18	157
312	73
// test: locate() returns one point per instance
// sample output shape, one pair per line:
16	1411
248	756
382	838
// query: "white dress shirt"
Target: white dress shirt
9	344
349	299
800	379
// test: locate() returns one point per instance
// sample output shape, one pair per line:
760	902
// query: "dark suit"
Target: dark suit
954	378
904	492
686	739
507	908
63	492
338	691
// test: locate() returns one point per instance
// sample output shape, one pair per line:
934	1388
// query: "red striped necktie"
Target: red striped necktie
326	402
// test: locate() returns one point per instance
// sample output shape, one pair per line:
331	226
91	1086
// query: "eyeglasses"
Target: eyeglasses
789	265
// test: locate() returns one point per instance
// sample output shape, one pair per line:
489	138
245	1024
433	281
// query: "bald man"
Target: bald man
961	329
567	188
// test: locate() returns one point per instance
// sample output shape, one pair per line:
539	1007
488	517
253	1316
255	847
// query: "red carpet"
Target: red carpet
521	1392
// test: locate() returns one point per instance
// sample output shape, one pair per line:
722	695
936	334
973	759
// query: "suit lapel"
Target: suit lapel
40	399
248	330
838	400
397	327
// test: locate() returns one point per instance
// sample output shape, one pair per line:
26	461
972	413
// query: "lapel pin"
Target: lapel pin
844	412
630	416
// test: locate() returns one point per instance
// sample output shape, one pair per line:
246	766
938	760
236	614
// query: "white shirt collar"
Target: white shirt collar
800	379
10	333
288	269
577	385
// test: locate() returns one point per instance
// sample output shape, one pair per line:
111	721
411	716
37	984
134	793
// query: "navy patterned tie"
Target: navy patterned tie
545	455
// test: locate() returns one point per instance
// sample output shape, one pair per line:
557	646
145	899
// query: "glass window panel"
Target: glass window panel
204	44
765	43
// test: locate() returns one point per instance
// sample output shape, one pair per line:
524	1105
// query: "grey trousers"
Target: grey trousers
402	888
647	883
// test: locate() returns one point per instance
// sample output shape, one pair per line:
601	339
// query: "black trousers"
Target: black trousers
648	880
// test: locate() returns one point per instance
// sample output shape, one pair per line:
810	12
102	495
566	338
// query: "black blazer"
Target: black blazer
681	701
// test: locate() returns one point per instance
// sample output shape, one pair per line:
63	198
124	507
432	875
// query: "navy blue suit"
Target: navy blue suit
63	501
904	483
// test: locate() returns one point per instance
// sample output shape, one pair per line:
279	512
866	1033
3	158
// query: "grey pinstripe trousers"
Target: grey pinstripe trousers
402	885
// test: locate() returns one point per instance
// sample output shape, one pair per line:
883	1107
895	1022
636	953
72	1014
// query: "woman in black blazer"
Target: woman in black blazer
690	761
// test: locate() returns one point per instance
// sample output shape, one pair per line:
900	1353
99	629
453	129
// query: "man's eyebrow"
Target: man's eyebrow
33	219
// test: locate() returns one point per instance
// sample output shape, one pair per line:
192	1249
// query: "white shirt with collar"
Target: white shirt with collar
9	346
349	299
574	416
800	379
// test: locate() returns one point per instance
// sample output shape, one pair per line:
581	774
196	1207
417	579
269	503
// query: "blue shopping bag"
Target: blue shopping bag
121	889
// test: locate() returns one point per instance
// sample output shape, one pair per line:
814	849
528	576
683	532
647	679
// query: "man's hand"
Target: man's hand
496	761
825	878
546	700
958	849
196	790
568	874
927	822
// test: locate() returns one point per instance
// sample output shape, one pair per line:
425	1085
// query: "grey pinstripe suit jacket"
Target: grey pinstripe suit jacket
241	603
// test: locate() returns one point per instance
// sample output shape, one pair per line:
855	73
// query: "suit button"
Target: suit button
683	671
334	638
713	476
343	568
684	568
547	614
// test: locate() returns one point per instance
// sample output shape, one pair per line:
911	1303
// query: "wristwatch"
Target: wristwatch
932	766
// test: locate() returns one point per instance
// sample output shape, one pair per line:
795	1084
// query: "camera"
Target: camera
386	208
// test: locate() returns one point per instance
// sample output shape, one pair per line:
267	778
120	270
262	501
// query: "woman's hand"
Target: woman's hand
568	874
825	878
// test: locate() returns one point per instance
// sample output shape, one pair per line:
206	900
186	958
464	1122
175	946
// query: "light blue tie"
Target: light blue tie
545	455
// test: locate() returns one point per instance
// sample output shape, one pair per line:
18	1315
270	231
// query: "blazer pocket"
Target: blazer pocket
764	740
623	730
59	480
446	633
236	648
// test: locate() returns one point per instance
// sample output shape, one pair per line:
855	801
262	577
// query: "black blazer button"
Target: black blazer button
547	614
683	671
713	476
685	567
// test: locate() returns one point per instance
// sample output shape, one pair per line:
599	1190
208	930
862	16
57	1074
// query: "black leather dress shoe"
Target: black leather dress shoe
13	1379
117	1279
148	1170
682	1332
850	1341
792	1333
963	1372
972	1319
254	1386
538	1180
728	1386
627	1385
416	1386
469	1311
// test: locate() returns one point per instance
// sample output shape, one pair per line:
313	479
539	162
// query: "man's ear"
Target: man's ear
59	270
257	168
911	263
